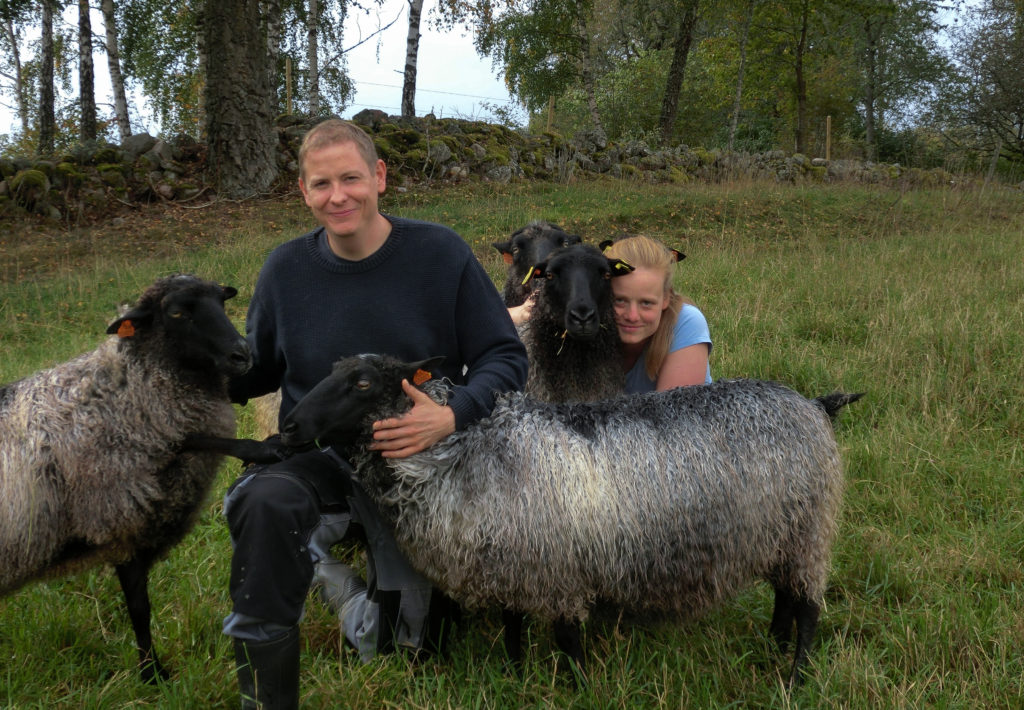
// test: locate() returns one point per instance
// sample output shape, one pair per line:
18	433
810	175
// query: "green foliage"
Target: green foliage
159	49
913	296
539	47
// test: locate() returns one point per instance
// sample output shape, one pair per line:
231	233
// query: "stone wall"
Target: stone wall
95	180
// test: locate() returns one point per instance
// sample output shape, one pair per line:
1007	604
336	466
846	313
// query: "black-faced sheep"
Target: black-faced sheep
527	247
91	466
654	503
571	337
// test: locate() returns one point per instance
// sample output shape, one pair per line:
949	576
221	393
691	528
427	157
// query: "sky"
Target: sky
452	80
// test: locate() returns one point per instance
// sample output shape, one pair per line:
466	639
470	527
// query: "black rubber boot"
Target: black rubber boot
268	672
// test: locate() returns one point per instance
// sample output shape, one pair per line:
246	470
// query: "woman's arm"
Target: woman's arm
686	366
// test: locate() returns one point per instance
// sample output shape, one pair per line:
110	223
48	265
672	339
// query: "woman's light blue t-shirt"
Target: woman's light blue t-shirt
691	328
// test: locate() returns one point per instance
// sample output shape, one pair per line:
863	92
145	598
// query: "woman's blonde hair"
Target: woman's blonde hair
643	252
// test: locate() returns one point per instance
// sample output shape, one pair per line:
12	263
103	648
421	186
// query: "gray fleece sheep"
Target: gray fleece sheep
571	338
658	503
91	467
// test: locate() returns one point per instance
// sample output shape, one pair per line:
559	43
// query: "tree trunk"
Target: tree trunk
677	69
412	48
86	82
47	122
124	127
270	11
19	75
587	77
241	140
801	81
313	57
737	99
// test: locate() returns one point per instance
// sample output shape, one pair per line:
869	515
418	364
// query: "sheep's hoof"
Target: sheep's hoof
153	672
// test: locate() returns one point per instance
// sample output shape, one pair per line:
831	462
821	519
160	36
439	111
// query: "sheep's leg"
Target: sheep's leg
782	617
567	636
806	612
134	578
513	621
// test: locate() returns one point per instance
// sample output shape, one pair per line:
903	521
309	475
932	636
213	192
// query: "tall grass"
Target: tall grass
916	298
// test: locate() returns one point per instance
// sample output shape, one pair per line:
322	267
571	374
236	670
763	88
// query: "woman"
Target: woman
665	339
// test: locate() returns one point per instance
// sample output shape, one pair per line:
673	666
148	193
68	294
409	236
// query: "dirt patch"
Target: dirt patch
33	246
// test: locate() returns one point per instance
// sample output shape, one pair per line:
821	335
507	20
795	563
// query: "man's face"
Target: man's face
341	189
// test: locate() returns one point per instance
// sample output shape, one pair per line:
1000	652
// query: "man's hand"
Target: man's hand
425	424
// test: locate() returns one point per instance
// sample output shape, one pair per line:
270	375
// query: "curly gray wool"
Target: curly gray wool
90	463
657	503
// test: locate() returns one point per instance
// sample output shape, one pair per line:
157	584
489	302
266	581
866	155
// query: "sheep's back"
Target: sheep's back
662	502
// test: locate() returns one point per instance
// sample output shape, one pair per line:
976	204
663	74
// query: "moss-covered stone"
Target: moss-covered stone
68	175
112	175
29	188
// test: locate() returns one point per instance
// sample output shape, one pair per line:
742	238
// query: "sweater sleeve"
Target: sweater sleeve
265	374
495	357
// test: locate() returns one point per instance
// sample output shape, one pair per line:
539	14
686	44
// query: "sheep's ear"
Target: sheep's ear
506	250
619	267
126	325
677	255
229	292
603	246
420	372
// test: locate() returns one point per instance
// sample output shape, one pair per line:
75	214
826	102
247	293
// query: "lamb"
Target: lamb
528	246
91	463
659	503
571	338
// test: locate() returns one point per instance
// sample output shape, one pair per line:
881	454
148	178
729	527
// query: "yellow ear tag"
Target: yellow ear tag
623	266
126	329
530	274
420	377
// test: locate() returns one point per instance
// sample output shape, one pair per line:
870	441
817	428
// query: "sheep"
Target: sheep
658	503
571	338
527	247
91	463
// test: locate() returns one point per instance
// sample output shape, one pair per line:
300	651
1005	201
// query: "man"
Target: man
363	282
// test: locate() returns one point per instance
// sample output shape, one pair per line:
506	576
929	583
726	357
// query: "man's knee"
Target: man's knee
271	499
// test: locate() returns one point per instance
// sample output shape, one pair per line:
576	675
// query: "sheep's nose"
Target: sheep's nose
289	428
582	314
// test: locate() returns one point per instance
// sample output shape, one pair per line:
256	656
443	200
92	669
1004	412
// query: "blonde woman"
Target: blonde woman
665	339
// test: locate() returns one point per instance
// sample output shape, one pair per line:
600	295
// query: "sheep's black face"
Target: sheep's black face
532	244
200	332
358	391
182	319
577	287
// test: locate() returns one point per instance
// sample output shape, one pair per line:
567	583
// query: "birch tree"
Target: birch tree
124	128
412	48
86	81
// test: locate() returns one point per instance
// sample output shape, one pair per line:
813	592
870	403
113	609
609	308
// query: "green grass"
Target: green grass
916	298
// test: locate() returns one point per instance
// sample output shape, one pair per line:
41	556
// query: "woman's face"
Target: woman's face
640	299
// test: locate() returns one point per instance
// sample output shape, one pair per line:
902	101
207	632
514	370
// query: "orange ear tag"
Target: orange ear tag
420	377
126	329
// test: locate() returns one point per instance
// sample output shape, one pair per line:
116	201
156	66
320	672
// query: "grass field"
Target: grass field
916	298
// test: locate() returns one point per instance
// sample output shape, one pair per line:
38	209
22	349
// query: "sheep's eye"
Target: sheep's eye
607	275
549	276
362	384
176	313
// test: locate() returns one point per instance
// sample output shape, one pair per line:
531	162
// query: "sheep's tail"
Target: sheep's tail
832	403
